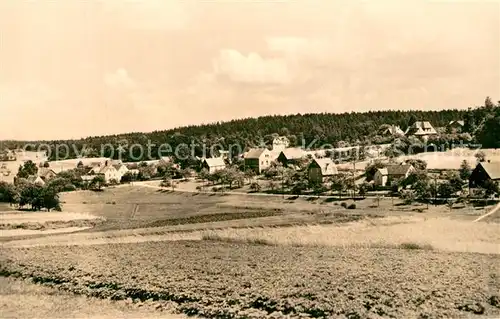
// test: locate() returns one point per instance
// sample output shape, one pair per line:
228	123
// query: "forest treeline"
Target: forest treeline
482	122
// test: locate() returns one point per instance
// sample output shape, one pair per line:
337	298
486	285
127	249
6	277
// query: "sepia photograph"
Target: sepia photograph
247	159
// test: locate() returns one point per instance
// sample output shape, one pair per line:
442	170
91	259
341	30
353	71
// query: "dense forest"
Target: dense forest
482	122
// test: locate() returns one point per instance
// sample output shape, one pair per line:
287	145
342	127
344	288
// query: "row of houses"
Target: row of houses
421	129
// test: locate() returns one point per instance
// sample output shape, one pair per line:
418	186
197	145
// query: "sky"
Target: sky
70	69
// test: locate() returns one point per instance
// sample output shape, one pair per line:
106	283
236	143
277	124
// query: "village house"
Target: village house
258	159
121	169
109	172
35	179
484	172
384	176
46	174
392	130
321	168
455	126
213	164
7	155
291	156
280	143
421	129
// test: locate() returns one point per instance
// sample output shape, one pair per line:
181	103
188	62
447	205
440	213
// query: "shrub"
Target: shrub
343	204
352	206
415	246
255	187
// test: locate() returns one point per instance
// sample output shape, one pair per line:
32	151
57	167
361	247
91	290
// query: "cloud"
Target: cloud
251	68
119	79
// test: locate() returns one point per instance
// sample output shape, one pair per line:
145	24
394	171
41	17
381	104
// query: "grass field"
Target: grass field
453	158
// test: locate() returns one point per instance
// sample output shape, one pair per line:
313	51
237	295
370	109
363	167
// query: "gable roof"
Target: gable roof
293	153
44	171
35	179
461	123
255	152
106	168
119	166
492	169
395	170
393	130
214	161
326	165
421	128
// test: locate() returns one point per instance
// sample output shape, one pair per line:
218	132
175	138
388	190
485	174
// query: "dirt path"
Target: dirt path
491	212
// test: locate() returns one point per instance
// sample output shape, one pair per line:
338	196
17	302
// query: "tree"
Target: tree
29	168
255	187
445	190
50	199
490	188
417	163
31	194
98	182
8	193
412	120
249	174
465	170
186	173
338	183
480	156
408	196
372	168
60	184
79	165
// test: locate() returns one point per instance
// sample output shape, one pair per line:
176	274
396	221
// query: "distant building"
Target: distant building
109	172
483	172
455	126
121	169
280	143
36	157
392	130
34	179
383	176
213	164
321	168
46	173
291	156
258	159
421	129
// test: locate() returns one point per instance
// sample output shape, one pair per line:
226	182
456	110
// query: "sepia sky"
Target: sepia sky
70	69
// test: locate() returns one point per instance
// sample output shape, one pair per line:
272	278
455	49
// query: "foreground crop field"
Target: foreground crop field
22	299
228	280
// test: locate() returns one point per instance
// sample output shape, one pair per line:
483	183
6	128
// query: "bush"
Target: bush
255	187
343	204
352	206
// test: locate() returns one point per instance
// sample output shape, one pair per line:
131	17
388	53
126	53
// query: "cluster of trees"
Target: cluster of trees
324	128
34	196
